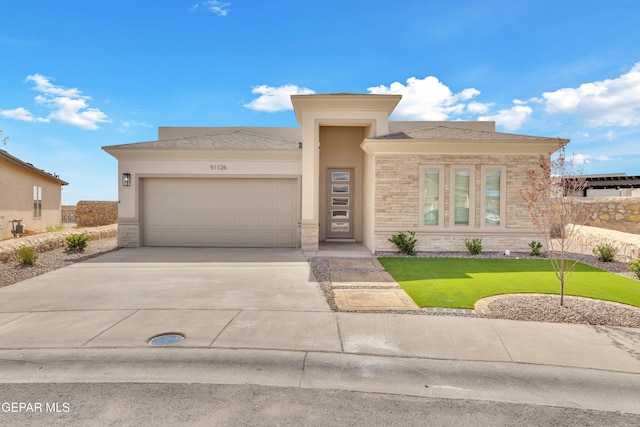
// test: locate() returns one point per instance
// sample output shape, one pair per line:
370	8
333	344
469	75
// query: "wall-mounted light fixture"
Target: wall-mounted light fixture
126	179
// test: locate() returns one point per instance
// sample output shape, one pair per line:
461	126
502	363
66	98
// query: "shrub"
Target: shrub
635	266
27	255
535	248
77	242
405	243
474	245
605	252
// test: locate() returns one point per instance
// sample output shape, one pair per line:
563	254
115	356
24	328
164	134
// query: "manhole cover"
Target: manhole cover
166	339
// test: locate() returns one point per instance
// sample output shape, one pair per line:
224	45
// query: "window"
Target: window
469	203
431	191
37	201
462	201
493	204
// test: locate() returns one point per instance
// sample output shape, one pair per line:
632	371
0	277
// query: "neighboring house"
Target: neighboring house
612	185
29	194
347	174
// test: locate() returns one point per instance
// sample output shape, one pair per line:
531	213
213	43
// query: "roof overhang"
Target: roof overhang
344	102
121	153
30	167
416	146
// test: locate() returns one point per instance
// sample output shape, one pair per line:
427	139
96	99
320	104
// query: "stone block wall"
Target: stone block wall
48	241
588	238
95	214
611	213
397	202
398	183
128	235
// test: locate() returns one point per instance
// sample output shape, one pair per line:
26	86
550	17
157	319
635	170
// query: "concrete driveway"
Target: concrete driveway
124	298
174	278
258	317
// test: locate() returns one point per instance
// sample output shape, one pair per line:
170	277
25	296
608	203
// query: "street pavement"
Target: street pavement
257	316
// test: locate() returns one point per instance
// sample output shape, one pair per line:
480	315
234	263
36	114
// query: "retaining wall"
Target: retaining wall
611	213
48	241
589	237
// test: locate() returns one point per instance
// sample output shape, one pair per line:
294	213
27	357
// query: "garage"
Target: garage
220	212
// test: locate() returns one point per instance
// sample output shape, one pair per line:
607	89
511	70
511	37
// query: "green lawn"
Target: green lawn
460	282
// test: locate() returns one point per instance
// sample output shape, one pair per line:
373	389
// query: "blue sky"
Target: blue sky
78	75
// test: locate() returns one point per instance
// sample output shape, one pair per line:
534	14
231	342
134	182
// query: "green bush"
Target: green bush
535	248
77	242
635	267
405	243
474	245
27	255
605	252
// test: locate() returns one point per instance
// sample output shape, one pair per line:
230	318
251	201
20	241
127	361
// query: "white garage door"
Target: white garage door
222	212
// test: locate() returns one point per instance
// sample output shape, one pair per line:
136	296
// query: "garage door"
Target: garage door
220	212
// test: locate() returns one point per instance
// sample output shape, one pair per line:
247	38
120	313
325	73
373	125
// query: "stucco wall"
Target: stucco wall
16	199
340	148
96	213
612	213
398	202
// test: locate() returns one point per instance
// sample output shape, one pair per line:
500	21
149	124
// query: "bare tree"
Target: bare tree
552	196
4	140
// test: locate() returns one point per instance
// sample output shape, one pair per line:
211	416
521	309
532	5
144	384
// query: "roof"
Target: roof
613	180
462	134
226	140
29	166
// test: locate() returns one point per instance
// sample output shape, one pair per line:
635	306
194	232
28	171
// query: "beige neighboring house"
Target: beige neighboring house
29	194
346	174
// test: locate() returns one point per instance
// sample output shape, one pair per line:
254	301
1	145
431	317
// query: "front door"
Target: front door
340	203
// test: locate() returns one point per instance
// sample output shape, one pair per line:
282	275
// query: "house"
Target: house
346	174
612	185
28	194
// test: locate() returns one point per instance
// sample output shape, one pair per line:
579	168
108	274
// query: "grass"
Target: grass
460	282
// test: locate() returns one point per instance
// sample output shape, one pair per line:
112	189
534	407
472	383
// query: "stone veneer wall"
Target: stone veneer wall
128	235
94	214
48	241
588	238
612	213
397	202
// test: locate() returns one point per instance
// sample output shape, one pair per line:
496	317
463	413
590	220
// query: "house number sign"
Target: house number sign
218	167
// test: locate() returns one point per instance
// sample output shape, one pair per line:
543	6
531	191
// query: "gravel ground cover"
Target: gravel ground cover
12	272
541	308
538	308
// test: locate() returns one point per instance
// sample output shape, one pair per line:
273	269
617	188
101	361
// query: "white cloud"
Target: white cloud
610	135
430	99
511	119
45	86
273	99
68	105
21	114
125	126
579	159
218	7
479	107
608	102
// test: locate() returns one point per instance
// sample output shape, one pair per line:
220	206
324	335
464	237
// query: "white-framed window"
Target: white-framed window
37	201
431	195
462	200
493	203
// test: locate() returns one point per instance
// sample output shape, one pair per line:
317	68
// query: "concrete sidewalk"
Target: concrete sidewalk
266	304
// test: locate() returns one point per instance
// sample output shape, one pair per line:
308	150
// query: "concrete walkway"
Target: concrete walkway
358	281
259	317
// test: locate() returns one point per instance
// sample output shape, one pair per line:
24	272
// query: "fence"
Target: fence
68	214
